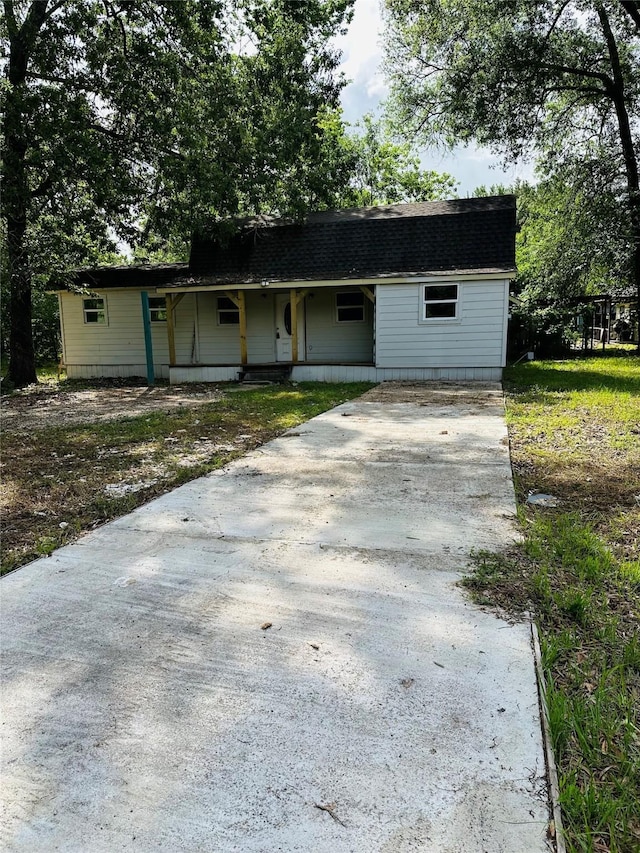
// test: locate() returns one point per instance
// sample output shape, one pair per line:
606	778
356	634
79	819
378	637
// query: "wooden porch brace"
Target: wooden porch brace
368	292
238	300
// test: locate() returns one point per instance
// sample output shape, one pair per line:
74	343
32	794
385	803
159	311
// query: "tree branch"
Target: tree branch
12	25
579	72
43	187
111	13
633	10
55	8
586	90
624	126
555	20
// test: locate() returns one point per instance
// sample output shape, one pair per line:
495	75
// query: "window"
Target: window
228	312
157	309
350	307
95	310
440	302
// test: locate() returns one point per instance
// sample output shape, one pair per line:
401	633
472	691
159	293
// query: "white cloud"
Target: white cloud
361	45
361	60
362	53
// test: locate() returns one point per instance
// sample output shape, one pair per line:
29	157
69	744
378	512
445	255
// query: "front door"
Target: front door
283	328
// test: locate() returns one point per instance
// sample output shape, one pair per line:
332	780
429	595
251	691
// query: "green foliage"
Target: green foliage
385	171
139	121
577	572
568	246
558	81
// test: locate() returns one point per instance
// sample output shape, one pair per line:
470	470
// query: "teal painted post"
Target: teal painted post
146	322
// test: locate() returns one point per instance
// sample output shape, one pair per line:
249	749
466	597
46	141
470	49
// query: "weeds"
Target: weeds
574	432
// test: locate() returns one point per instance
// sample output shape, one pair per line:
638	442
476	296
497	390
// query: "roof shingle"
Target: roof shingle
475	234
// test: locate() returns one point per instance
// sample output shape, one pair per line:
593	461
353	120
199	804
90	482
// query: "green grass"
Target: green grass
82	475
573	429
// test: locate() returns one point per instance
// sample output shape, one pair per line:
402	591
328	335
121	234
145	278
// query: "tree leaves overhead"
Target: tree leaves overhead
558	80
385	171
126	118
503	71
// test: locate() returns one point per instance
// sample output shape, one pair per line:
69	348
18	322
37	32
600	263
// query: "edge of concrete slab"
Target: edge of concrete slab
556	833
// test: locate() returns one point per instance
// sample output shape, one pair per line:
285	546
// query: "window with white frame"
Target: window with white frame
350	306
228	312
94	309
440	302
157	309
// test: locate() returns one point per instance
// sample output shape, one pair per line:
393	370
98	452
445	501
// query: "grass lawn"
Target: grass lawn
61	480
574	429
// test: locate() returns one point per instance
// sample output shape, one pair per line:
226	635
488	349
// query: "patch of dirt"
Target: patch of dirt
436	393
41	406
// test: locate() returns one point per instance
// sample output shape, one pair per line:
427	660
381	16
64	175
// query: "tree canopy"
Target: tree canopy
126	118
382	170
558	80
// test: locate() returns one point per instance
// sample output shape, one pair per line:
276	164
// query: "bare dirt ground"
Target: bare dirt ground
434	393
40	406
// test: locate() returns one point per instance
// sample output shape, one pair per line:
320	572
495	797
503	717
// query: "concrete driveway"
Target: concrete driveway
276	657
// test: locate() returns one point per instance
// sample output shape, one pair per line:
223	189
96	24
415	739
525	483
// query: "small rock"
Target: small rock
63	525
542	500
266	625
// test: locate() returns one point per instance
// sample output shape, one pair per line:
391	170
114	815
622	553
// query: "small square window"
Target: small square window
440	302
94	310
350	306
228	312
157	309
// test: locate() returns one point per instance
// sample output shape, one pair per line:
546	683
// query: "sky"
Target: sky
362	58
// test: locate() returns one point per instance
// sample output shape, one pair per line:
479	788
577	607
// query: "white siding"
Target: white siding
116	348
344	373
203	373
221	344
476	339
364	373
328	340
261	326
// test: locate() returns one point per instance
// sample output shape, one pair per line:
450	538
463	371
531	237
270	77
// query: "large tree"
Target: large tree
125	118
556	79
383	170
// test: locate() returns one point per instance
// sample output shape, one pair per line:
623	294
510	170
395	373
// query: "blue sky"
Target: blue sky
362	56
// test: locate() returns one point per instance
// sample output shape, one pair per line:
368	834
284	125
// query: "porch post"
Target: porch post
293	301
148	343
171	332
243	327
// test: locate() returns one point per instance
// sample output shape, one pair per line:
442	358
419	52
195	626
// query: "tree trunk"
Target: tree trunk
617	92
22	365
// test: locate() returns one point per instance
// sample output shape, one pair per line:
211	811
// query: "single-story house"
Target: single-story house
406	291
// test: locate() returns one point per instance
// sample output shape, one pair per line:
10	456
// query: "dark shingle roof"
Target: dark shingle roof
470	235
473	235
138	275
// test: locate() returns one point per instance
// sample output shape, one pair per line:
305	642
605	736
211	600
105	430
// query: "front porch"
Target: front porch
222	331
